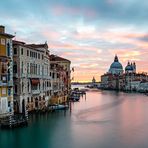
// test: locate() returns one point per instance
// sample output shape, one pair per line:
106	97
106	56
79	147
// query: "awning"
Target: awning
35	81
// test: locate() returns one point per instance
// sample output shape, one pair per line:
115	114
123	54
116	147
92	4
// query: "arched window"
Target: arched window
28	100
8	49
31	99
28	87
22	87
15	67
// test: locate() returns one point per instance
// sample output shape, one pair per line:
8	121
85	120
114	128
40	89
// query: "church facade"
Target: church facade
126	79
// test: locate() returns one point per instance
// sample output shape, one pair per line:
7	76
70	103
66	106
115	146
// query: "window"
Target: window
38	69
4	79
42	56
22	87
15	67
2	41
43	69
43	85
27	52
4	91
8	49
9	103
15	89
15	51
27	68
53	75
4	67
57	75
22	51
9	91
28	100
36	66
38	56
22	67
28	87
33	68
8	71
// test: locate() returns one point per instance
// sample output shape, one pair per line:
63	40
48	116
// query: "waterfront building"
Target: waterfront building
6	73
116	79
61	84
32	81
133	80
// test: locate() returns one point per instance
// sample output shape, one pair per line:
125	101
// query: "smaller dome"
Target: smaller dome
128	67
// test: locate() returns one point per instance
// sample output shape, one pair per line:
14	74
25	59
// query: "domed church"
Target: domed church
116	67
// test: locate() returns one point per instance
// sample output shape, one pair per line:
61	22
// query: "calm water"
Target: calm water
101	120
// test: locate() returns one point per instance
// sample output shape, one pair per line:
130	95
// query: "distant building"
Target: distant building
116	79
93	80
6	73
94	83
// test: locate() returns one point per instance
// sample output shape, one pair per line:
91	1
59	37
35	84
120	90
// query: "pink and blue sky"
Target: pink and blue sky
87	32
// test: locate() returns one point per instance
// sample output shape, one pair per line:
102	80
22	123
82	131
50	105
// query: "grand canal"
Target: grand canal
104	119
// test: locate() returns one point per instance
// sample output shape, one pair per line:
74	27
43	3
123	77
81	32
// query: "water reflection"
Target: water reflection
104	119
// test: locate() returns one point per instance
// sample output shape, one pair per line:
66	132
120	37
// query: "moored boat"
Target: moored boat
58	107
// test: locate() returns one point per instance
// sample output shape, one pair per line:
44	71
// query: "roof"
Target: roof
7	35
57	58
38	45
116	65
15	42
18	42
129	67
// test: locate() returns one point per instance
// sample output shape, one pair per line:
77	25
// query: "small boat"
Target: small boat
75	97
58	107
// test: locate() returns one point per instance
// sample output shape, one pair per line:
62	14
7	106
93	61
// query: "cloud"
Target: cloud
88	32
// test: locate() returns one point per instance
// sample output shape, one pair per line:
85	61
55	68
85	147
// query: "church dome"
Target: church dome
128	67
116	67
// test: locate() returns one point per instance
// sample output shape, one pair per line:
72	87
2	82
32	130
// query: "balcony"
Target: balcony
10	83
15	75
23	75
35	92
34	76
46	77
5	80
3	83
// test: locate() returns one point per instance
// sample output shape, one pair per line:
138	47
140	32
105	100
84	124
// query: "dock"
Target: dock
14	121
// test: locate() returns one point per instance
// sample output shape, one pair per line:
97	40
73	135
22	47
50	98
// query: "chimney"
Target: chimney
2	29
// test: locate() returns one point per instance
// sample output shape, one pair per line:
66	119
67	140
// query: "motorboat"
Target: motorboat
75	97
58	107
